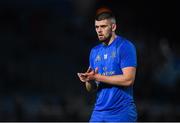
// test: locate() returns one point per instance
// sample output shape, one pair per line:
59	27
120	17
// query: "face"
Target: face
104	29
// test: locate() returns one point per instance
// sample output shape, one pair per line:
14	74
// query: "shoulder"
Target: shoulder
96	48
125	43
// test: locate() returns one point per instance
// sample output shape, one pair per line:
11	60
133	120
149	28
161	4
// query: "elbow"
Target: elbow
129	82
90	90
91	87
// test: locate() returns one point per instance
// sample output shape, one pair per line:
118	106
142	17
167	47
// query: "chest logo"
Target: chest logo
105	56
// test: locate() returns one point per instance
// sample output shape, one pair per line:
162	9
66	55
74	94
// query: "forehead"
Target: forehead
103	22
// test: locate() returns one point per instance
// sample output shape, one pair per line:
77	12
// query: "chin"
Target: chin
102	39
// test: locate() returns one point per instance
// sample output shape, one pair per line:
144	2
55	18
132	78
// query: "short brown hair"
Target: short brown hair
104	13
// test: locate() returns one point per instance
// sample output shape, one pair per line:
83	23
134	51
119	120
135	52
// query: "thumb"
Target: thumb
96	70
89	69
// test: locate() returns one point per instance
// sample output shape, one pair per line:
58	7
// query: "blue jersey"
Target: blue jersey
110	60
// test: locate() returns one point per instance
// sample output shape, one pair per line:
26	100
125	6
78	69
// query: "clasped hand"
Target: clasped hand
89	75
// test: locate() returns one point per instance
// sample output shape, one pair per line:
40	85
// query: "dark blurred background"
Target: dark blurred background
44	43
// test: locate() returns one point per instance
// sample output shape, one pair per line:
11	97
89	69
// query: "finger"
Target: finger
82	80
84	75
96	70
79	75
88	70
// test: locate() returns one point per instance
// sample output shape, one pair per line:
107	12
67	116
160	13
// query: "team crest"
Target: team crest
113	54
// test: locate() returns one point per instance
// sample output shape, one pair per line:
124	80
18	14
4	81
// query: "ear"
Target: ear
113	27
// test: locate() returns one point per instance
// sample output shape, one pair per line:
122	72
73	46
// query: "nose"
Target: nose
99	30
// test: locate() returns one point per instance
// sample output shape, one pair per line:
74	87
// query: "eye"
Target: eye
96	27
103	26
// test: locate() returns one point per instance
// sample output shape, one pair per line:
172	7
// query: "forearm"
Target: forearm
90	86
119	80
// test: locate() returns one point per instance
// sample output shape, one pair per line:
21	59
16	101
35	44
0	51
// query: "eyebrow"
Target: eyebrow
101	25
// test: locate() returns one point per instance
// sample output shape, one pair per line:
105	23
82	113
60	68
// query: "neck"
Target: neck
111	39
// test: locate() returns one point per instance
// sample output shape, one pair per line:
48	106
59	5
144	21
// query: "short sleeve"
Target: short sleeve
91	62
128	55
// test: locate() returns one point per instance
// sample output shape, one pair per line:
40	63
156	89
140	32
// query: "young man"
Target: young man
112	73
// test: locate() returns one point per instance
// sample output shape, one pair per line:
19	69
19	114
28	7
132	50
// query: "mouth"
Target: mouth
100	35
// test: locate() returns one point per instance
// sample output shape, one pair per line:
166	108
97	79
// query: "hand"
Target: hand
83	76
91	75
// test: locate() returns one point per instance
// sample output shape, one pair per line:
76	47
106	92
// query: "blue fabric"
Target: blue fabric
113	101
128	115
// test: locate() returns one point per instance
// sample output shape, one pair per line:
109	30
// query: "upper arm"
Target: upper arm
91	61
128	62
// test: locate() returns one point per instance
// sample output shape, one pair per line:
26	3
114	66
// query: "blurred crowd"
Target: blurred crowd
44	44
